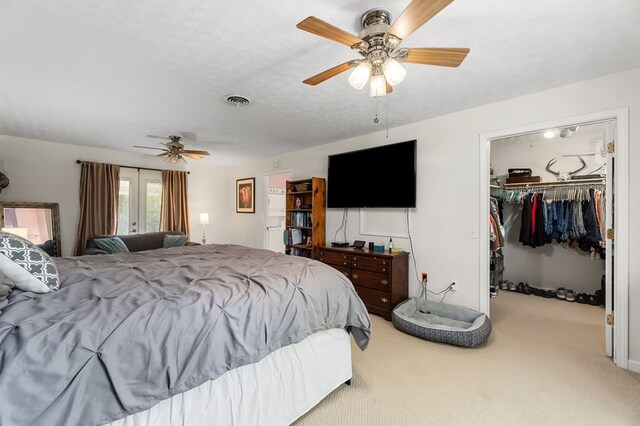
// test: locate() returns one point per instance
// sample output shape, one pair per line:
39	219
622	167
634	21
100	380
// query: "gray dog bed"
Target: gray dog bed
442	322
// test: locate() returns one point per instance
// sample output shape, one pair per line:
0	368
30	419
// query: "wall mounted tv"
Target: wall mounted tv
383	176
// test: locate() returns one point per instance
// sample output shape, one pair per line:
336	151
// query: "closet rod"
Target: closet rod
135	167
569	184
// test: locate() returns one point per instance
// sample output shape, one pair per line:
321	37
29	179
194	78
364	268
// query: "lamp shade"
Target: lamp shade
204	218
377	87
393	71
360	75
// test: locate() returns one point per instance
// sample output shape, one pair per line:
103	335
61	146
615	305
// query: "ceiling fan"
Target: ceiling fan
379	44
174	152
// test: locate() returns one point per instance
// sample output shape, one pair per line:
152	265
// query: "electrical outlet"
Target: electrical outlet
424	276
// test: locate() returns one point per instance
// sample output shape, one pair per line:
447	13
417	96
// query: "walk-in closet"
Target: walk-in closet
548	220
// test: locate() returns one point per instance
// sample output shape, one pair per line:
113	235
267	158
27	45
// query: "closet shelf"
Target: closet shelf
560	184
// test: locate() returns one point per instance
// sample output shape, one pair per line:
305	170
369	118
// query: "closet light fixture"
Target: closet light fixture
549	134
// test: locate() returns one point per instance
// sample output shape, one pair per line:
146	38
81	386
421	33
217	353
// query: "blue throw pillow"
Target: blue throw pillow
111	245
175	241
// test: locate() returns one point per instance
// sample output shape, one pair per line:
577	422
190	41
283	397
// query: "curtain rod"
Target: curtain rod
135	167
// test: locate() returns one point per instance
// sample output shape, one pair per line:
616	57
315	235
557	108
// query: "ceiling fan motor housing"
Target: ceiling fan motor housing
377	44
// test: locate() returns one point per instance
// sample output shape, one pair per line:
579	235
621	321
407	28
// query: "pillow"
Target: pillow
175	241
26	266
111	245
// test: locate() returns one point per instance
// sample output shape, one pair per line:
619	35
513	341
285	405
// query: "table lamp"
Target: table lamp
204	221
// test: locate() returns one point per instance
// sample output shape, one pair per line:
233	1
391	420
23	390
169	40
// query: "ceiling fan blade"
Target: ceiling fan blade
415	15
195	152
442	56
193	156
148	147
157	137
325	75
323	29
164	154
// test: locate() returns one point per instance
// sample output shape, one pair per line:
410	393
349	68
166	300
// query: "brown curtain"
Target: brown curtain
174	213
99	186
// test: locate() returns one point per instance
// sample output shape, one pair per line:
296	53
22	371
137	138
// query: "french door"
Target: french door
139	201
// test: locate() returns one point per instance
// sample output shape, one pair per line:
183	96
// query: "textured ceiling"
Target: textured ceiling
107	73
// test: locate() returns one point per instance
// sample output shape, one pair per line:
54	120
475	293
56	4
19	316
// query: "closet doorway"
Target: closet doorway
274	212
551	189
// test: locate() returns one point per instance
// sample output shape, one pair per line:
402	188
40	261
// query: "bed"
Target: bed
214	334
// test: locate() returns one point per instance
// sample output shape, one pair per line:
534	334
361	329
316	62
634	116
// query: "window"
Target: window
139	201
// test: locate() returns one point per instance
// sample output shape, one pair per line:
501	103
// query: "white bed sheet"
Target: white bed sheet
274	391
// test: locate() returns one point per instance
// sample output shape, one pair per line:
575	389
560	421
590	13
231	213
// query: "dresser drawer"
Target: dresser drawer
371	264
333	258
343	269
375	298
370	279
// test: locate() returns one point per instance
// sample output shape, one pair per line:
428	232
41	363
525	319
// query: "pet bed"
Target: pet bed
442	322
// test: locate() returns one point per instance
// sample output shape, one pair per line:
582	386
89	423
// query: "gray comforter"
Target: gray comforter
128	330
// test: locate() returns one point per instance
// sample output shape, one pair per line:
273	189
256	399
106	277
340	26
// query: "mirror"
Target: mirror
37	222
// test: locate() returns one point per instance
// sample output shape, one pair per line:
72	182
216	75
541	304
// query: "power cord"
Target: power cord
343	225
423	283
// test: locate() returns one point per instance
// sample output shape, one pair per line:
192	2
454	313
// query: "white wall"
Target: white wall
552	265
47	172
443	225
445	221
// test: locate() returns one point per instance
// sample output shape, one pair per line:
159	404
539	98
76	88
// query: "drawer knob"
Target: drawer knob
355	264
384	269
355	276
385	282
384	300
344	263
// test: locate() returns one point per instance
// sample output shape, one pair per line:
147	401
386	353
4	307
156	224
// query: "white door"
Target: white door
139	201
274	212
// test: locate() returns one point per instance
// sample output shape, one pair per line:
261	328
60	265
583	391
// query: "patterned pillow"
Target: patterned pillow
26	266
111	245
175	241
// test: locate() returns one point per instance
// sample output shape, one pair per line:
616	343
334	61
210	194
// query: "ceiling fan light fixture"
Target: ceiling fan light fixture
377	86
393	71
549	134
360	75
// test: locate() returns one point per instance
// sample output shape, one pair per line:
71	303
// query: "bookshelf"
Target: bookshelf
305	216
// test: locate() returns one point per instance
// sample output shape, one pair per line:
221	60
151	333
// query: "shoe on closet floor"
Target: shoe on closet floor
520	287
504	285
593	300
582	298
570	296
561	292
511	285
549	294
526	289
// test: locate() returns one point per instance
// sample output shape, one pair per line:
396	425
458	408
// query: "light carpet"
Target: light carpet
544	364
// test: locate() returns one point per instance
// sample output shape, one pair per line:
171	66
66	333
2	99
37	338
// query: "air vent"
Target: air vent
237	100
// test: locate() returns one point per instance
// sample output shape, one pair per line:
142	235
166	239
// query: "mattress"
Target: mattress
274	391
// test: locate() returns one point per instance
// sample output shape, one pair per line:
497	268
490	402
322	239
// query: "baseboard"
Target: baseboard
634	366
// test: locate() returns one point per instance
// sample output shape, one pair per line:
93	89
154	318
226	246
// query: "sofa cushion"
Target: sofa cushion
175	241
111	245
135	242
26	266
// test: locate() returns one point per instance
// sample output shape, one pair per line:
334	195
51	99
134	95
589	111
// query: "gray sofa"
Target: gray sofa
135	242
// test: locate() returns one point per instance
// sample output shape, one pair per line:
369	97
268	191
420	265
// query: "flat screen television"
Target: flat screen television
383	176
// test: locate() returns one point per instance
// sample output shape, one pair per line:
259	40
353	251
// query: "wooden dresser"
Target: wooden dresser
380	279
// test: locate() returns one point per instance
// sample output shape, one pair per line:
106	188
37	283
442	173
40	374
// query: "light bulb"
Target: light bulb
360	75
377	86
393	71
549	134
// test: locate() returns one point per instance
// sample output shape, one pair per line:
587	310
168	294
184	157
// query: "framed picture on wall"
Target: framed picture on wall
245	195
